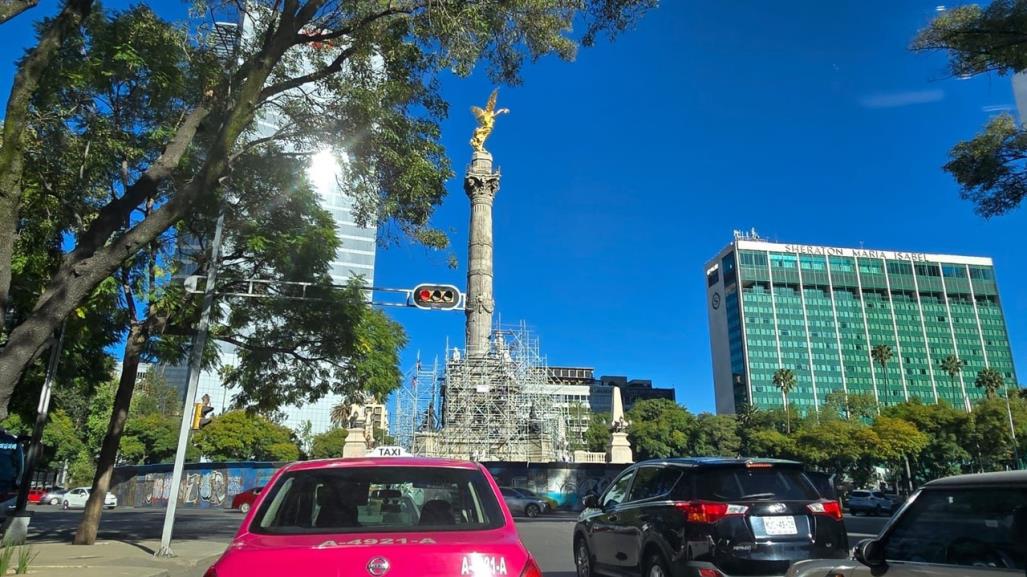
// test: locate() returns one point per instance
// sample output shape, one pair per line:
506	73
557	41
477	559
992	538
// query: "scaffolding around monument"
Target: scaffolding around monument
417	403
492	407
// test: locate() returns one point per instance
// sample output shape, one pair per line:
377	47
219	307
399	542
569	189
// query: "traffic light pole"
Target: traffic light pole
195	366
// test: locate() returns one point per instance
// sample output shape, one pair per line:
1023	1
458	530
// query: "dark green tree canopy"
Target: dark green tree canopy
990	168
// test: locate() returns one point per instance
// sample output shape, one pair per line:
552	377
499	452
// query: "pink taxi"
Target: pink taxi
378	517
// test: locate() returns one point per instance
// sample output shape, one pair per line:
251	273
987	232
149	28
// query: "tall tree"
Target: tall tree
30	71
784	379
377	100
659	428
882	354
991	168
715	435
242	436
328	445
597	435
991	381
953	365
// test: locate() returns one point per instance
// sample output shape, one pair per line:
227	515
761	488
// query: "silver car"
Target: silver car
521	503
966	526
876	502
53	496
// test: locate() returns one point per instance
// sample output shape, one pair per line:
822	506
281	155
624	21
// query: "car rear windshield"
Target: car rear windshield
860	494
365	499
757	484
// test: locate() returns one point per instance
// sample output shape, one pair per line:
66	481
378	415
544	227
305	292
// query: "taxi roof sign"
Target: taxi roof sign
388	452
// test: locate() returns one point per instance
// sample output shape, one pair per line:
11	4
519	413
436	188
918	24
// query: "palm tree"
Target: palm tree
784	379
991	381
953	365
882	354
340	414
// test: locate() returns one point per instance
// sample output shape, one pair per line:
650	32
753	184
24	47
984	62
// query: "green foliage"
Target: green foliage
240	436
597	434
26	556
328	445
149	438
992	433
61	437
990	168
897	438
154	396
715	436
659	428
991	381
784	379
838	404
82	469
6	554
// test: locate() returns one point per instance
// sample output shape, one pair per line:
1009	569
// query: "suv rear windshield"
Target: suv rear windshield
363	499
742	484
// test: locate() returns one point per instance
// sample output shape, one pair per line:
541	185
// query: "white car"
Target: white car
76	499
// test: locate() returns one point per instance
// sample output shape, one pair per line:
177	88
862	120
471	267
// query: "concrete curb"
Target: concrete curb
121	559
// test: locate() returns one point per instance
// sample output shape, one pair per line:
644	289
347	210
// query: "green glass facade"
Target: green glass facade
820	311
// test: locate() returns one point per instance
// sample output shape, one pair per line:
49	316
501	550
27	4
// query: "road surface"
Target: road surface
548	538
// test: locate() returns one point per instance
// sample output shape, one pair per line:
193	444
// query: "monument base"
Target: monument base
619	449
355	445
426	444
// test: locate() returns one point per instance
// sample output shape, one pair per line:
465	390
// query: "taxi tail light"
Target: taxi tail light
531	569
709	512
829	508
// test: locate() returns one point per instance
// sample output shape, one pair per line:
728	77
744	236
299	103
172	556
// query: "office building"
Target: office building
819	311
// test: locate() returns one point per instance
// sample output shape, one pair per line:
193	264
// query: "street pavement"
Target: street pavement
200	532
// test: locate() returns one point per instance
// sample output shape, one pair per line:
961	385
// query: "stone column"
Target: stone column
481	185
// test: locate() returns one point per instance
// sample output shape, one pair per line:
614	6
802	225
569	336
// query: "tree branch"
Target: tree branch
114	214
336	64
11	8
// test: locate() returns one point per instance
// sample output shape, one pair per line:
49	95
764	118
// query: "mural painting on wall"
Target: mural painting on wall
566	485
204	488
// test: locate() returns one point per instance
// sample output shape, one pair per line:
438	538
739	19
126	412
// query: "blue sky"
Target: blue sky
625	171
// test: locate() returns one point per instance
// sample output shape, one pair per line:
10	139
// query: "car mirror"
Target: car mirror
590	501
870	552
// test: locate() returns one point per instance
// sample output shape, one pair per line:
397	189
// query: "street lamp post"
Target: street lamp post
1012	430
195	366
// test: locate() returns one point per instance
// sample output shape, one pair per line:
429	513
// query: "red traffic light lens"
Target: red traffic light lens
424	295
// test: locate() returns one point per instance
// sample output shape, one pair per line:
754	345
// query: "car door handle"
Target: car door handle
614	518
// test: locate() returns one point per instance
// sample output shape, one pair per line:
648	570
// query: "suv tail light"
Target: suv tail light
709	512
531	569
830	508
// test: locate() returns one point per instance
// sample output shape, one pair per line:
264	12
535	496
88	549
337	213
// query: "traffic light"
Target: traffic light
200	412
436	296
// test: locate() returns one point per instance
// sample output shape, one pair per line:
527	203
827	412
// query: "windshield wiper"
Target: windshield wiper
757	496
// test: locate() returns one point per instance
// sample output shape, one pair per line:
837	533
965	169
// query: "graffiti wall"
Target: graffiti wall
213	485
204	485
565	483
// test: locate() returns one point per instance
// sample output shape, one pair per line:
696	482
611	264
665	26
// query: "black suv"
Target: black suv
707	517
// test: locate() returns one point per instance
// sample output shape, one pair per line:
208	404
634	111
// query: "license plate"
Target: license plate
779	525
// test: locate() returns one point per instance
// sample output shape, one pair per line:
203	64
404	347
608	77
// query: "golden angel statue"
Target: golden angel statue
486	121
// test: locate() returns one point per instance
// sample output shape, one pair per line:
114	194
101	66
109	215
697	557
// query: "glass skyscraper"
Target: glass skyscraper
819	311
